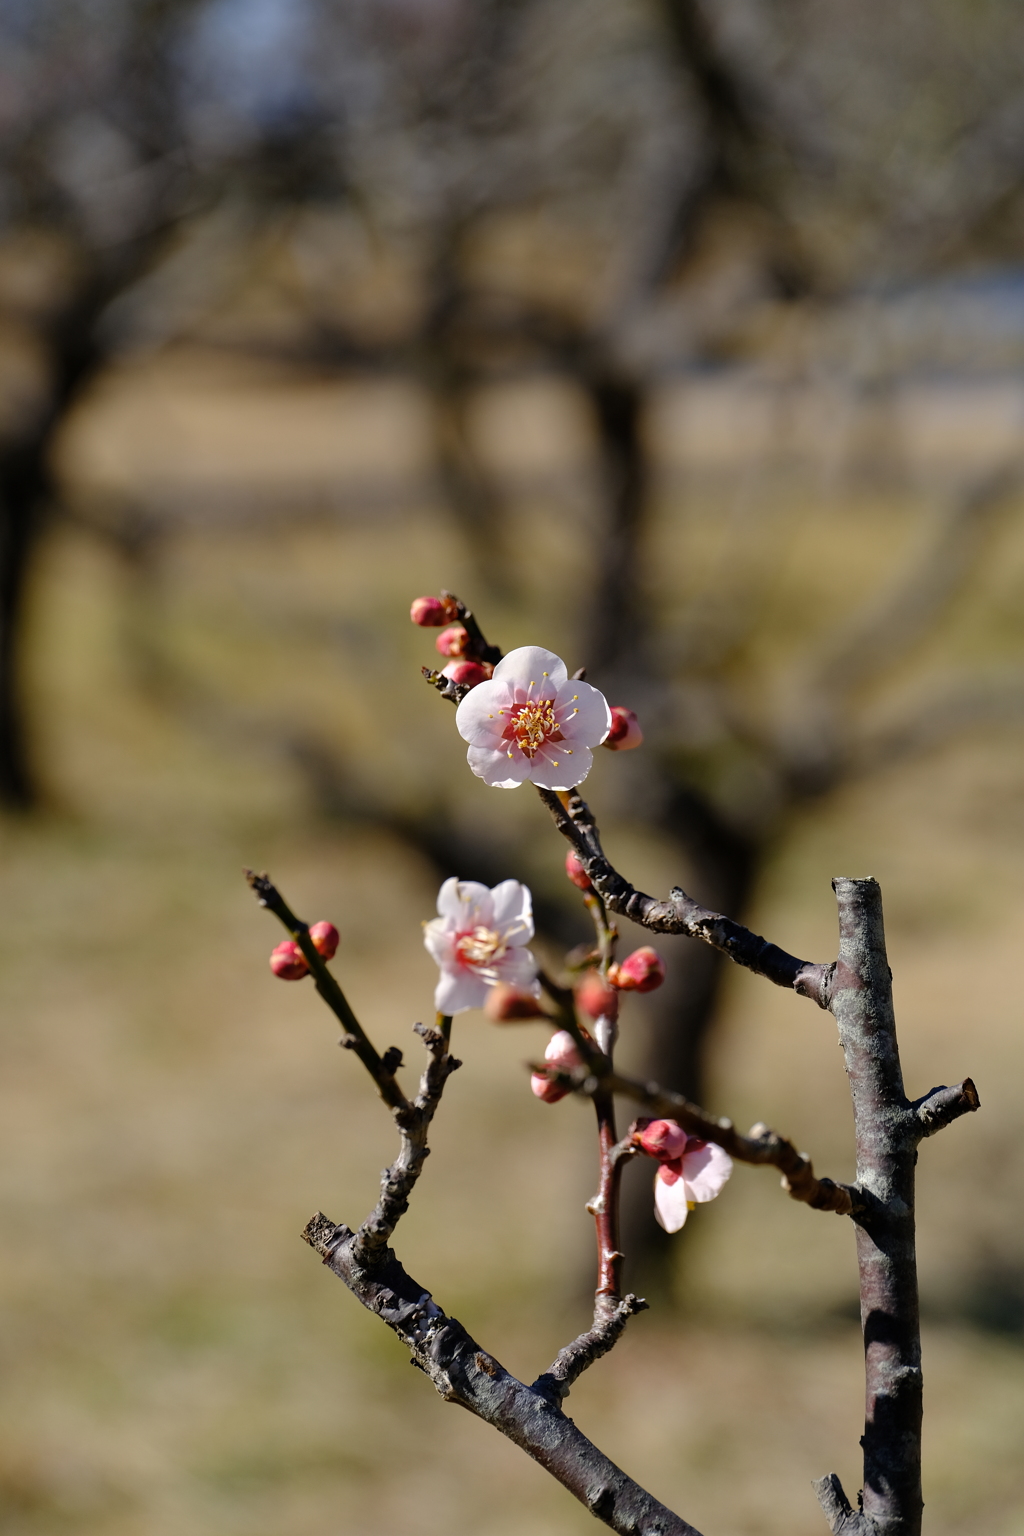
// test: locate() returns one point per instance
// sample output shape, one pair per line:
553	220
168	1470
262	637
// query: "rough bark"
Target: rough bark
464	1373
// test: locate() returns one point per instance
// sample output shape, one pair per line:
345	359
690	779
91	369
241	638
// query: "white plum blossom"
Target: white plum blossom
530	721
479	938
692	1171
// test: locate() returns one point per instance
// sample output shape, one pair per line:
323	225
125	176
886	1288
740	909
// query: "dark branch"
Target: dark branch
398	1181
464	1373
355	1037
681	914
577	1357
944	1105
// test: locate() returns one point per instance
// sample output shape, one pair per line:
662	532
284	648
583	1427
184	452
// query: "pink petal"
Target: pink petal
706	1171
458	990
513	909
439	938
529	664
583	714
670	1205
555	768
496	768
477	718
518	968
466	903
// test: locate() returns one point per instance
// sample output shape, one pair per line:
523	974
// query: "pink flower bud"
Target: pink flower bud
505	1004
288	961
471	672
625	732
561	1051
428	612
577	874
663	1139
546	1089
452	641
642	971
596	997
325	939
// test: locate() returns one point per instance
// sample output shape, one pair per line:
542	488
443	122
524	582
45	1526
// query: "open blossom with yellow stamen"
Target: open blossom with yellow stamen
478	938
530	721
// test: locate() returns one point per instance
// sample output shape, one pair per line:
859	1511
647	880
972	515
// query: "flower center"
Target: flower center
480	946
533	724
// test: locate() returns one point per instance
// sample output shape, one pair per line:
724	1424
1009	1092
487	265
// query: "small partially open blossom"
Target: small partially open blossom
530	721
429	612
561	1053
642	971
453	641
691	1172
478	939
288	961
596	997
505	1004
574	869
625	730
325	939
663	1139
471	672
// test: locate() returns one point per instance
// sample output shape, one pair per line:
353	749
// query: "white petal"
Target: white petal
459	990
497	769
529	664
670	1206
477	718
513	910
466	903
555	768
583	714
518	967
705	1172
439	938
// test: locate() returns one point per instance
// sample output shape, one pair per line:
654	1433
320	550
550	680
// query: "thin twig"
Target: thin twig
762	1146
680	914
355	1037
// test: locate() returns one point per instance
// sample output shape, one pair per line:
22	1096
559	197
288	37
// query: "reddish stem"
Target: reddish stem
605	1208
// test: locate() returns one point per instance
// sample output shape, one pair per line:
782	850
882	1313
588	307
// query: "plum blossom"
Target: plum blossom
530	721
478	939
692	1171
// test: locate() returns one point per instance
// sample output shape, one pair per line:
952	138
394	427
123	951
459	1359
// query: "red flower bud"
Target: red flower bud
625	732
471	672
288	961
453	641
506	1004
641	971
560	1053
577	874
596	997
325	939
663	1139
429	612
546	1089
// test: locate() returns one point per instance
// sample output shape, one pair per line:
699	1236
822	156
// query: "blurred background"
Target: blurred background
684	339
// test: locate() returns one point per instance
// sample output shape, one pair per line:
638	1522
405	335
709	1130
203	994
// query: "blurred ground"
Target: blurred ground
173	1357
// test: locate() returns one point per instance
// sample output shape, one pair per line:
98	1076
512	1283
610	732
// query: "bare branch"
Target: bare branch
355	1037
680	914
464	1373
762	1146
944	1105
843	1520
398	1181
570	1363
